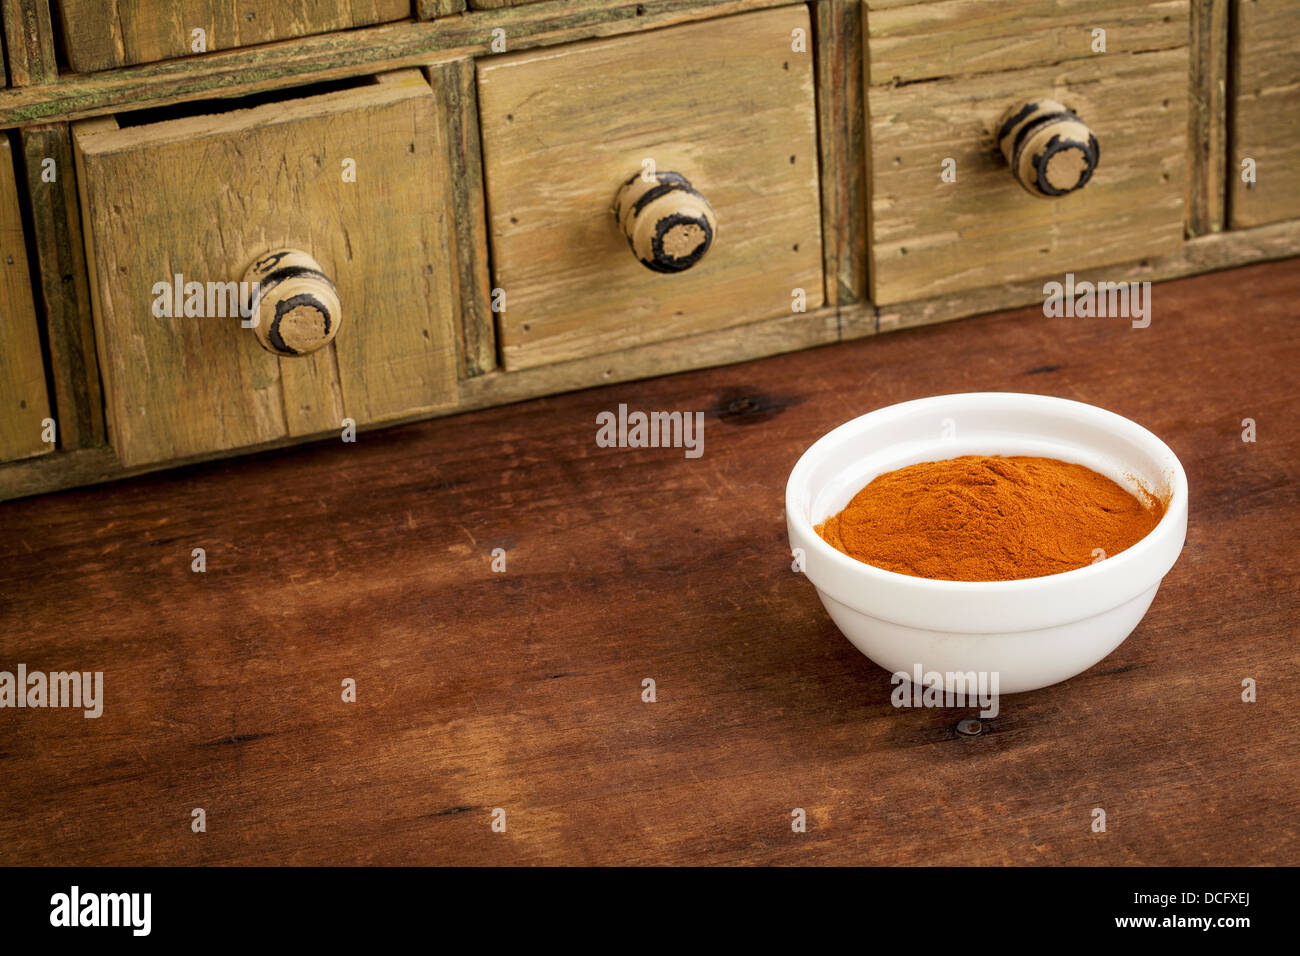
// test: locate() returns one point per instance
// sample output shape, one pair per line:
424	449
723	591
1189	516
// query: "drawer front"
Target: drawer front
727	105
24	403
354	178
142	31
941	78
1265	113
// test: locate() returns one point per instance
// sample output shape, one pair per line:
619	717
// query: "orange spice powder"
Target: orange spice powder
990	518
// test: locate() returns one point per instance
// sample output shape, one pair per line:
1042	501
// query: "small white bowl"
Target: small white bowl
1031	632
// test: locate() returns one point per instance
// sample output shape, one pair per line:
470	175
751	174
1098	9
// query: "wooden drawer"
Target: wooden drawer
24	403
940	78
727	105
205	196
141	31
1265	113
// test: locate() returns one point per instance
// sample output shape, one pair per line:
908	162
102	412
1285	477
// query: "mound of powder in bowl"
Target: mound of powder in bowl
990	518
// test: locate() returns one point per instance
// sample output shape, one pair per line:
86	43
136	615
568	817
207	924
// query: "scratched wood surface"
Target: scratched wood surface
59	269
1265	115
141	31
522	690
930	237
29	42
188	385
356	52
558	143
24	402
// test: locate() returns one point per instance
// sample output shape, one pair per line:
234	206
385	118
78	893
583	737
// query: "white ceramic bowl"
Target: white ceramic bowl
1031	632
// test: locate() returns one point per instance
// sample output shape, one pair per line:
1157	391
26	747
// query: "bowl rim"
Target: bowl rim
1138	555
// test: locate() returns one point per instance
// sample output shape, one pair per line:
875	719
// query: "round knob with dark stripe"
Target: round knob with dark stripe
294	302
1050	150
668	224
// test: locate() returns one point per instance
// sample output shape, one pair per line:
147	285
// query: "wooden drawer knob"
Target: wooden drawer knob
1050	150
296	304
668	224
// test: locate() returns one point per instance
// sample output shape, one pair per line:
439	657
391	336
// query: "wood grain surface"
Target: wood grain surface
141	31
455	90
728	104
1264	121
497	4
841	126
930	39
59	270
929	237
24	401
214	191
429	9
29	42
522	690
348	53
1207	109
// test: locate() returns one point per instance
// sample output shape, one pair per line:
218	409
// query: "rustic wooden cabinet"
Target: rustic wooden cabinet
466	204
